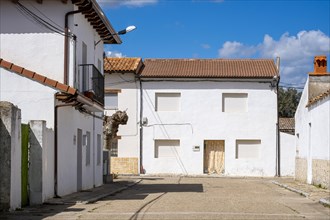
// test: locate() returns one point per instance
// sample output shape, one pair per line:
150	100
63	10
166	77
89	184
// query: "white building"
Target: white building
52	69
122	90
313	128
201	116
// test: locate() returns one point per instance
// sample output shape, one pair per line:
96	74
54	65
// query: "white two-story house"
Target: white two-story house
51	67
199	116
312	164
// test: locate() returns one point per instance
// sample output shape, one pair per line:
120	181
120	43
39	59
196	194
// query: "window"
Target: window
88	147
99	149
114	148
166	148
168	101
99	65
234	102
111	100
247	149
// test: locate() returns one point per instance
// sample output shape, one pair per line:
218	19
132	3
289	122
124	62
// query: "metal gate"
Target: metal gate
25	163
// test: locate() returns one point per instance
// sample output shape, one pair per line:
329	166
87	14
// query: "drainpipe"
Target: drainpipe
141	128
66	42
56	145
278	145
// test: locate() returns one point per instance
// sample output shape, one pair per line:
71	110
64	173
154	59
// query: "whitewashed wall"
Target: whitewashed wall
201	118
38	49
128	99
29	45
67	151
288	154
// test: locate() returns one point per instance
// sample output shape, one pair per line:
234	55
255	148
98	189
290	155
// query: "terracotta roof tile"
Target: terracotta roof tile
37	77
124	64
286	124
209	68
318	98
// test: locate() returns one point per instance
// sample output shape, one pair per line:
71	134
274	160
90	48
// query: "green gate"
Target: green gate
25	163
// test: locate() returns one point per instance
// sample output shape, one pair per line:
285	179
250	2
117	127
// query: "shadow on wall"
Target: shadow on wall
5	158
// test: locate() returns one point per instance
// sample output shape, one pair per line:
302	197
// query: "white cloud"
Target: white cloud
114	54
205	46
296	52
128	3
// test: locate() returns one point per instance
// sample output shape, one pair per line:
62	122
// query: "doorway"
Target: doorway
214	156
79	160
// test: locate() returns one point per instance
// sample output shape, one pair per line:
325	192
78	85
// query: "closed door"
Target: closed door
79	159
214	156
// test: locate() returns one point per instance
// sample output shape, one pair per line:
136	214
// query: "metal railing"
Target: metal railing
91	82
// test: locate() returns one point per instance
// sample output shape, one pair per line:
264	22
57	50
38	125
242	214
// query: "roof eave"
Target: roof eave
107	23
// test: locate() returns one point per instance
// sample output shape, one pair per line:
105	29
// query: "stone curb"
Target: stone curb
95	199
323	201
291	189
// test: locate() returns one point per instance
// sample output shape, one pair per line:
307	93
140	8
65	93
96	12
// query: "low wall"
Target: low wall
321	173
301	169
124	165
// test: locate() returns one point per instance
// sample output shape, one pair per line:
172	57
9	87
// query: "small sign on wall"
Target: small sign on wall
196	148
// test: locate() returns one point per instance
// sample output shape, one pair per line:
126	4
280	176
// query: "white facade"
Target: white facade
312	138
36	48
128	100
287	154
248	129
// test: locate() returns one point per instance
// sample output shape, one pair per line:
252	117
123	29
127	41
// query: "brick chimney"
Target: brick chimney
320	65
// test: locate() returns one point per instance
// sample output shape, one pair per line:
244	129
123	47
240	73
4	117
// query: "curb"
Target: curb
291	189
95	199
325	202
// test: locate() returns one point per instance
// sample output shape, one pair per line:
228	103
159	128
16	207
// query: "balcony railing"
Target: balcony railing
91	82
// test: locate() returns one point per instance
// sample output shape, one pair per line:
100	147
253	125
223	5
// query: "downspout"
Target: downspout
56	145
278	144
141	128
66	42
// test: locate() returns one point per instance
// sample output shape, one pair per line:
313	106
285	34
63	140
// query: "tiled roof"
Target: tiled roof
318	98
125	64
37	77
209	68
286	124
95	16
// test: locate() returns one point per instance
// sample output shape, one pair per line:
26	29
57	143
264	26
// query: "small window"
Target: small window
166	148
111	100
234	102
99	65
168	101
114	148
88	148
99	149
248	149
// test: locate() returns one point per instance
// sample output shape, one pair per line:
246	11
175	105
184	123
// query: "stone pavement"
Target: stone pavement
310	191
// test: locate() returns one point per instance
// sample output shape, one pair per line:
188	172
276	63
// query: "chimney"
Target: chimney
320	65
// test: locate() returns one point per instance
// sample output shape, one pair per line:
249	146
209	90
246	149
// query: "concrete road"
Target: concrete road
195	198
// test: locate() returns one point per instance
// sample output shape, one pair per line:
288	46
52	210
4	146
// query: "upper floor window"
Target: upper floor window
168	101
84	53
111	100
234	102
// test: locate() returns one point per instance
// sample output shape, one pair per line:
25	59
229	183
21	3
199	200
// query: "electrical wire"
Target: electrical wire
38	20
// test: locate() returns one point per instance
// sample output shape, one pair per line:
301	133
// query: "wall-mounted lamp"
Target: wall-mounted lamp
124	31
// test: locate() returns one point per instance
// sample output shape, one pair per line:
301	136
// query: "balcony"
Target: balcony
91	82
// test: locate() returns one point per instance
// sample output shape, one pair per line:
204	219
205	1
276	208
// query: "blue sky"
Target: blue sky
295	31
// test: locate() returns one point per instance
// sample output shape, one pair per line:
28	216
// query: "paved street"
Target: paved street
190	198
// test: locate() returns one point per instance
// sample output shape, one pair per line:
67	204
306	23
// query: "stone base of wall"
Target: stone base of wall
301	169
321	173
124	165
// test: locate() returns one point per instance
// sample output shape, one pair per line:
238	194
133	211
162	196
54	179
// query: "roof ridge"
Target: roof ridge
36	77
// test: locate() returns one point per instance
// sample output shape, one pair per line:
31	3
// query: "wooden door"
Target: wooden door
214	156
